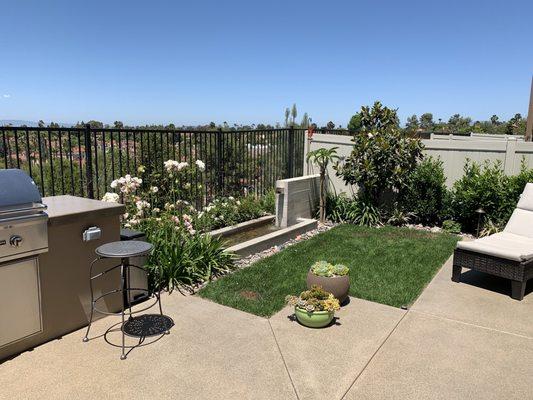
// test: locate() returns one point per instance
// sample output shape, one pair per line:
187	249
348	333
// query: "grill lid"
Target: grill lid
18	192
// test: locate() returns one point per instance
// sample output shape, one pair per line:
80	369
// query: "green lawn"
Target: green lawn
387	265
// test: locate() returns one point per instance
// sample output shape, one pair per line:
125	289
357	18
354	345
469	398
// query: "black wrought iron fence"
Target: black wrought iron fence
84	161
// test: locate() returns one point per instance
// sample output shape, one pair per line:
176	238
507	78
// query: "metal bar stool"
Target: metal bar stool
142	326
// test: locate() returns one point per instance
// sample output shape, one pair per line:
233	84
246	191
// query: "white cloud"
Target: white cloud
6	96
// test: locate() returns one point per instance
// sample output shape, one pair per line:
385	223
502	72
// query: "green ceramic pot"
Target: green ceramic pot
315	319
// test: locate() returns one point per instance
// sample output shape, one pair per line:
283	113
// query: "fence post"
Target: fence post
510	156
307	148
290	153
220	154
88	162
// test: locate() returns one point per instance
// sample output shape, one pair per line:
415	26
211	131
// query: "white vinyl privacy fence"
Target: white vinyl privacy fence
452	150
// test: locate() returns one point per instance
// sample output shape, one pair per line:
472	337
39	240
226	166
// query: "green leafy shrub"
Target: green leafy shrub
451	226
399	217
268	202
382	156
369	214
516	186
358	211
425	193
483	186
341	208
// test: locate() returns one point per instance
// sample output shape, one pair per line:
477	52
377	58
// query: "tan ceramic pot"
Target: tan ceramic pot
339	286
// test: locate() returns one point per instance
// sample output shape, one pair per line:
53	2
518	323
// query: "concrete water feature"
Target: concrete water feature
296	204
296	198
260	234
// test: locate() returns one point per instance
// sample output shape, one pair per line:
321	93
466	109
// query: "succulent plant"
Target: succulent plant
323	268
314	299
340	270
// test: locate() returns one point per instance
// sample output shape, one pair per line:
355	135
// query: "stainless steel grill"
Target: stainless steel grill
23	235
23	221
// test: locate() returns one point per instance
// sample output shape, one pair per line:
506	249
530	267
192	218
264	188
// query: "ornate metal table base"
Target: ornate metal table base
143	326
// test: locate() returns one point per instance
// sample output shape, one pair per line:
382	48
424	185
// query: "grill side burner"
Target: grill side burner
23	236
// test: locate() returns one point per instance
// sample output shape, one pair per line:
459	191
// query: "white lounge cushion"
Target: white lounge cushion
504	245
526	198
520	223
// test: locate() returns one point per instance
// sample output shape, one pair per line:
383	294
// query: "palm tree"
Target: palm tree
322	157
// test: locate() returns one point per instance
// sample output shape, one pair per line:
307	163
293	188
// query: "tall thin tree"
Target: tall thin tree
294	113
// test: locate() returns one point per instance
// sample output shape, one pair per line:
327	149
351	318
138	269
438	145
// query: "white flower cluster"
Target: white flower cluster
132	220
127	184
175	166
111	197
142	204
201	165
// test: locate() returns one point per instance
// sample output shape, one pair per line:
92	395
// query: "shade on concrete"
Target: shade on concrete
479	299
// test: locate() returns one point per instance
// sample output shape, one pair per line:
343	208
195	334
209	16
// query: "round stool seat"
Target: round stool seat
128	248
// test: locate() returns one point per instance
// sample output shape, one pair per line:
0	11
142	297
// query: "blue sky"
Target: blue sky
245	61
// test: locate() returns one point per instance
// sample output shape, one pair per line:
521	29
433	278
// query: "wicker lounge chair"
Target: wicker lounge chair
508	254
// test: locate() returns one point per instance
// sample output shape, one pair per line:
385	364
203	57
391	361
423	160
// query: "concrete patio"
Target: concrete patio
457	341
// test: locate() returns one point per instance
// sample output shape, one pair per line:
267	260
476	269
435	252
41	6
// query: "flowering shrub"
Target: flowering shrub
126	184
323	268
315	299
182	255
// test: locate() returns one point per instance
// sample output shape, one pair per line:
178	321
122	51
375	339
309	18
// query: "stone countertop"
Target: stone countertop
67	208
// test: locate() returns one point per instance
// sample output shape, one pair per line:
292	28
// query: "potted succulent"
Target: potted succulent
333	278
314	308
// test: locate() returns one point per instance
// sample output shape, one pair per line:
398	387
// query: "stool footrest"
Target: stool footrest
147	325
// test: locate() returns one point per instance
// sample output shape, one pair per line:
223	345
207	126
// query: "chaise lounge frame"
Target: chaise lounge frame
519	272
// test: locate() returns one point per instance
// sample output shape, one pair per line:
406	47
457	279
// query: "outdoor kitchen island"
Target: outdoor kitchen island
63	271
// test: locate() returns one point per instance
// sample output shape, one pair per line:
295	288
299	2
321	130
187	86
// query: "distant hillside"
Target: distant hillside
17	122
20	122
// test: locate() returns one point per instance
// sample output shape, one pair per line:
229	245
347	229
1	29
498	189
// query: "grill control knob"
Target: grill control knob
15	240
